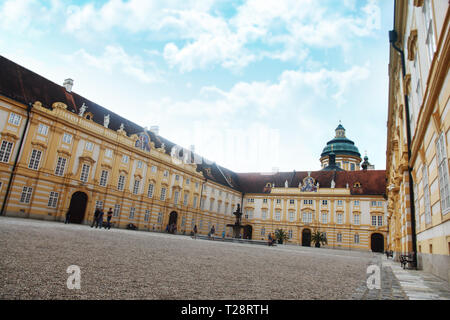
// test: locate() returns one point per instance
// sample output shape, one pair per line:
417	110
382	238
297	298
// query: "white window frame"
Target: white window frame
357	219
43	129
136	185
5	150
121	183
324	217
426	194
53	199
147	215
116	211
277	215
35	159
108	153
151	188
104	178
163	194
89	146
26	194
60	166
14	119
443	174
132	213
125	158
85	170
67	138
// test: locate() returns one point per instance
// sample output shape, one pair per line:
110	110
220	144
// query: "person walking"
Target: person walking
100	219
67	217
108	218
95	221
213	230
223	235
195	232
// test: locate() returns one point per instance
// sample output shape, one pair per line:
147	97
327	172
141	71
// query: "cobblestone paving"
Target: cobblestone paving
123	264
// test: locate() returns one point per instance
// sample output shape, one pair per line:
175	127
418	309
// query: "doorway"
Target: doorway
377	242
306	238
173	217
77	207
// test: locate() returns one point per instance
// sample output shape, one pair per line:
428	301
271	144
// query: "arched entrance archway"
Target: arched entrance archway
248	230
377	242
77	207
306	238
173	217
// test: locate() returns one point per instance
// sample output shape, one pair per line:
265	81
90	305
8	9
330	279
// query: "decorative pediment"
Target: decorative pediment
87	159
38	144
7	135
63	152
106	165
59	105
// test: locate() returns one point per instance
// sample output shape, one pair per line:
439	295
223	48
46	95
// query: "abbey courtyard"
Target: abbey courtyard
63	157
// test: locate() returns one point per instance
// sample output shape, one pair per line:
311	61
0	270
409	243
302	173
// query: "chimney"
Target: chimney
68	84
155	129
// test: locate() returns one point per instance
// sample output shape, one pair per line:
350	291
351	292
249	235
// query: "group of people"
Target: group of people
171	228
98	218
271	239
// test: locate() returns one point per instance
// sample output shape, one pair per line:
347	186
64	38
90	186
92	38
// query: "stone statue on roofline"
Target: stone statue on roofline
286	184
106	121
333	184
82	109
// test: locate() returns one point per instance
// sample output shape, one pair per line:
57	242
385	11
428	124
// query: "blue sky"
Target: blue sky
252	84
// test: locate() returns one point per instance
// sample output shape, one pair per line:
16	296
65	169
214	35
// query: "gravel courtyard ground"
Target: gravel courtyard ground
123	264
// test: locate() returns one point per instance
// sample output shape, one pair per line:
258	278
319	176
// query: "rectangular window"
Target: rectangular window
139	164
132	211
121	183
85	172
67	138
380	221
166	173
53	199
163	194
356	238
14	119
195	202
136	185
60	166
339	218
251	200
188	181
291	216
442	164
374	221
426	192
185	200
42	129
211	204
278	201
430	41
264	214
356	203
356	219
264	200
154	169
160	217
175	197
249	214
116	211
99	204
324	218
150	190
35	159
352	166
219	205
26	194
89	146
108	153
177	177
373	203
147	215
277	215
5	151
339	237
183	222
309	202
290	234
307	217
339	202
125	158
324	202
104	178
292	201
263	231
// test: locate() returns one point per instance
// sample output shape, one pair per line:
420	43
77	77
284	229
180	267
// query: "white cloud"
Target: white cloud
115	57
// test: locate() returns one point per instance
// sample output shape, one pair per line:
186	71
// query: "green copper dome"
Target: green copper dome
340	145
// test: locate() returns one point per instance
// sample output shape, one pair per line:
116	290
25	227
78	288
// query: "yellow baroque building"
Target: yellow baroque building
418	134
61	152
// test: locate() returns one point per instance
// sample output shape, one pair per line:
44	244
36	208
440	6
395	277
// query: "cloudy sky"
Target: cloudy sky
252	84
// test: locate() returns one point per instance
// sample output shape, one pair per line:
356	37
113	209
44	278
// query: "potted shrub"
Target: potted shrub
318	238
281	235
